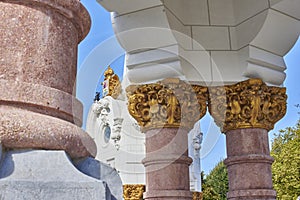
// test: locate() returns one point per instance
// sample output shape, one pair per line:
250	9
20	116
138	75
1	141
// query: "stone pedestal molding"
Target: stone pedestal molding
166	111
135	192
37	76
245	112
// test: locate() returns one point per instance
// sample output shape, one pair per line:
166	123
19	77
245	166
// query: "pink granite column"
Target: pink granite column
167	164
249	164
38	61
166	111
246	112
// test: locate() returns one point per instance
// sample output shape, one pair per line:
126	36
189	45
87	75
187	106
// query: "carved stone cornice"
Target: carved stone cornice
248	104
113	81
170	103
133	192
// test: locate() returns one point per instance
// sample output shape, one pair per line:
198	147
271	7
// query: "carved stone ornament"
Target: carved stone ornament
170	103
116	133
101	109
111	83
248	104
133	192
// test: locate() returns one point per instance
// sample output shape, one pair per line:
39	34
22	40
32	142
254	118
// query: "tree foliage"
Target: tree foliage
215	184
286	167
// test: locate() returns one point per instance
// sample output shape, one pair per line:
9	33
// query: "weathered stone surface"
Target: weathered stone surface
46	175
98	170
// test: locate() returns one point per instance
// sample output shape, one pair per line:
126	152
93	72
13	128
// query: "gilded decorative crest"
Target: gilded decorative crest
248	104
170	103
111	84
133	192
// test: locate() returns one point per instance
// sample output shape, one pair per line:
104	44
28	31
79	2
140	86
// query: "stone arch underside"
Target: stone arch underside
209	42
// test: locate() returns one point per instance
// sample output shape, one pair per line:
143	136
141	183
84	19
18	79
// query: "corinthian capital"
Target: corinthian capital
170	103
248	104
133	192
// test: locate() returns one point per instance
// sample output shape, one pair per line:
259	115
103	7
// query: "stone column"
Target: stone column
166	111
245	112
38	58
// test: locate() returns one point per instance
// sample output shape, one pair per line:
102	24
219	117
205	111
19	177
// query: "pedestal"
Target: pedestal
47	175
38	52
39	114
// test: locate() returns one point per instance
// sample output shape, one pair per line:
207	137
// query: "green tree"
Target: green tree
209	193
215	184
286	167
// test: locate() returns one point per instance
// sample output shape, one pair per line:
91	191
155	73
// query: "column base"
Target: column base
255	194
168	194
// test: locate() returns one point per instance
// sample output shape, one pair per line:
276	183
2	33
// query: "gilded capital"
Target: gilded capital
133	192
170	103
247	104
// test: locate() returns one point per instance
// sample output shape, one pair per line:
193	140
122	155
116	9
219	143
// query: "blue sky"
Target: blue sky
100	49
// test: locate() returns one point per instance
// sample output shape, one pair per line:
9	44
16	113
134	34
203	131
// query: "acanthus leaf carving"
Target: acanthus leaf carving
247	104
170	103
133	192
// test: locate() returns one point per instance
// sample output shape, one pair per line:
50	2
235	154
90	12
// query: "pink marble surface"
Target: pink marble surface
167	164
247	141
41	99
168	194
38	60
21	129
39	46
249	165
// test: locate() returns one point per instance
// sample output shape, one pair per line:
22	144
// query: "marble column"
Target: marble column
245	112
166	111
38	65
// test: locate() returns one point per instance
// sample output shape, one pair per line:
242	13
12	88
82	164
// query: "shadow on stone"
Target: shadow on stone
104	172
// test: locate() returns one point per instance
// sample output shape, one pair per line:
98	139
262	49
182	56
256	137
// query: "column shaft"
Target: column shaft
249	164
166	111
167	164
246	112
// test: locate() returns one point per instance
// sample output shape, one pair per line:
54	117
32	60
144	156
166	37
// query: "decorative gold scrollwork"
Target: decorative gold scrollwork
133	192
113	81
248	104
197	195
170	103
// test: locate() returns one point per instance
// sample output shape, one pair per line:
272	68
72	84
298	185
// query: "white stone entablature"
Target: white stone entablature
206	41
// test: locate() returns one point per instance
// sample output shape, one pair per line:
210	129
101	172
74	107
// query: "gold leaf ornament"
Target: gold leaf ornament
133	192
114	84
247	104
170	103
